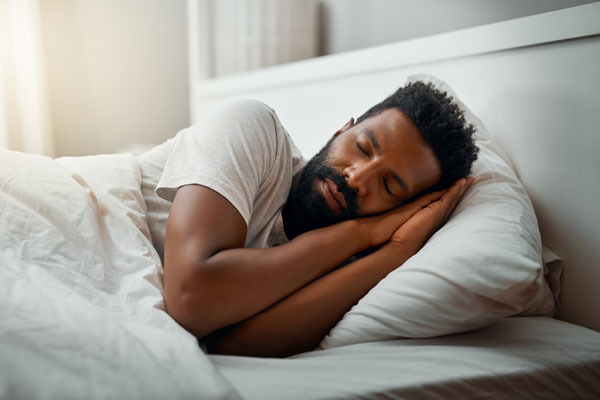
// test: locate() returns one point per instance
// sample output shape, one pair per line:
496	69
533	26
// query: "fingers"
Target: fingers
423	201
425	222
442	201
469	181
430	197
456	191
454	194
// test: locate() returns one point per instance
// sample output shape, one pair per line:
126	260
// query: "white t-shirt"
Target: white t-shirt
240	151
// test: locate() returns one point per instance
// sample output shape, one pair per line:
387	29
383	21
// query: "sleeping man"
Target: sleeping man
251	236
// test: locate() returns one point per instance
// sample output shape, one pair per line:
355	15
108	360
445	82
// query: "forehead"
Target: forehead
402	147
392	122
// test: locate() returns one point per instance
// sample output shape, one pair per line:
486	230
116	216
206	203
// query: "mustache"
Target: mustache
310	204
342	186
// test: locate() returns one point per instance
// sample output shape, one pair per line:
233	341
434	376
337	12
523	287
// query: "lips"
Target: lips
335	199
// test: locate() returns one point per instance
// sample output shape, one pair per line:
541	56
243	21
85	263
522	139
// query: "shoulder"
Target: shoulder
242	119
247	109
251	121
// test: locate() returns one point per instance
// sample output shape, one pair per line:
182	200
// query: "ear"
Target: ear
348	125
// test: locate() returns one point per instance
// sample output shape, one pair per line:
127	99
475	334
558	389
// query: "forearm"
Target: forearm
300	321
234	284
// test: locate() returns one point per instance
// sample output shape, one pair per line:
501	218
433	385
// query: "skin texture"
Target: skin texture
269	302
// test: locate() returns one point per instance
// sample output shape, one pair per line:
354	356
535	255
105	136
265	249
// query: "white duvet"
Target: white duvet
81	311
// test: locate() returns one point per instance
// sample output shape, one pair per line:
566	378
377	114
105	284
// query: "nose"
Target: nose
360	177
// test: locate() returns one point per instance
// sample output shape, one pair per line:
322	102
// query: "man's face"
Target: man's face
366	169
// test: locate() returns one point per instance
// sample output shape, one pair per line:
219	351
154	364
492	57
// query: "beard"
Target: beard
309	203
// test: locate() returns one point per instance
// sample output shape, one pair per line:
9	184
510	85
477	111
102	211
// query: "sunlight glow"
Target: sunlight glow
24	55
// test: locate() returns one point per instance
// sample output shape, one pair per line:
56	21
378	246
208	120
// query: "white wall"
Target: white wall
354	24
117	72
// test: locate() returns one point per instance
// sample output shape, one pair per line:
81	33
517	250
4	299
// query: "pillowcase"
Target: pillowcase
484	264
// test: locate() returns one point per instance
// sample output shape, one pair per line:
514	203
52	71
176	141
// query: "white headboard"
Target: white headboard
535	83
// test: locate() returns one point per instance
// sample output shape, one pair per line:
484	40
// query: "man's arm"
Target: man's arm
211	281
299	322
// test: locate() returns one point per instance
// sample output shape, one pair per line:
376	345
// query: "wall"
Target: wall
354	24
117	72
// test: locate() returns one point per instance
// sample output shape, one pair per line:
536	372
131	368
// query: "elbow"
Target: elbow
181	304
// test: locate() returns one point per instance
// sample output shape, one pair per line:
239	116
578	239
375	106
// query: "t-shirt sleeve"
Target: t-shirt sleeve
231	151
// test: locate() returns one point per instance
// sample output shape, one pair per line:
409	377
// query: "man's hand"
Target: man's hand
380	228
425	221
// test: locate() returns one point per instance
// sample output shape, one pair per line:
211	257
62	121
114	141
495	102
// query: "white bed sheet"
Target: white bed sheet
515	358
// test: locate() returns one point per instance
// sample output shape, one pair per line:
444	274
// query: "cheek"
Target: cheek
334	161
340	154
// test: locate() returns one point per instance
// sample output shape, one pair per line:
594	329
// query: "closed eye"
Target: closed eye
362	150
387	189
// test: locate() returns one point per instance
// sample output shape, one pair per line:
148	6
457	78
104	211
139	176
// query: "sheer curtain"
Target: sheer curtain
24	108
232	36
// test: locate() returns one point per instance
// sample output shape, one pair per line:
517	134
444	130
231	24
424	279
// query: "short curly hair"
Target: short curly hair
442	124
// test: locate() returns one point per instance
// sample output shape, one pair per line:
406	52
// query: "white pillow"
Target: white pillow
484	264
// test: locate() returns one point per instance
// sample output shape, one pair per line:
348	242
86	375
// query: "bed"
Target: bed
81	310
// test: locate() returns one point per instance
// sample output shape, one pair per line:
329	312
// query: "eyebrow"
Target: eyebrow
374	140
377	148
